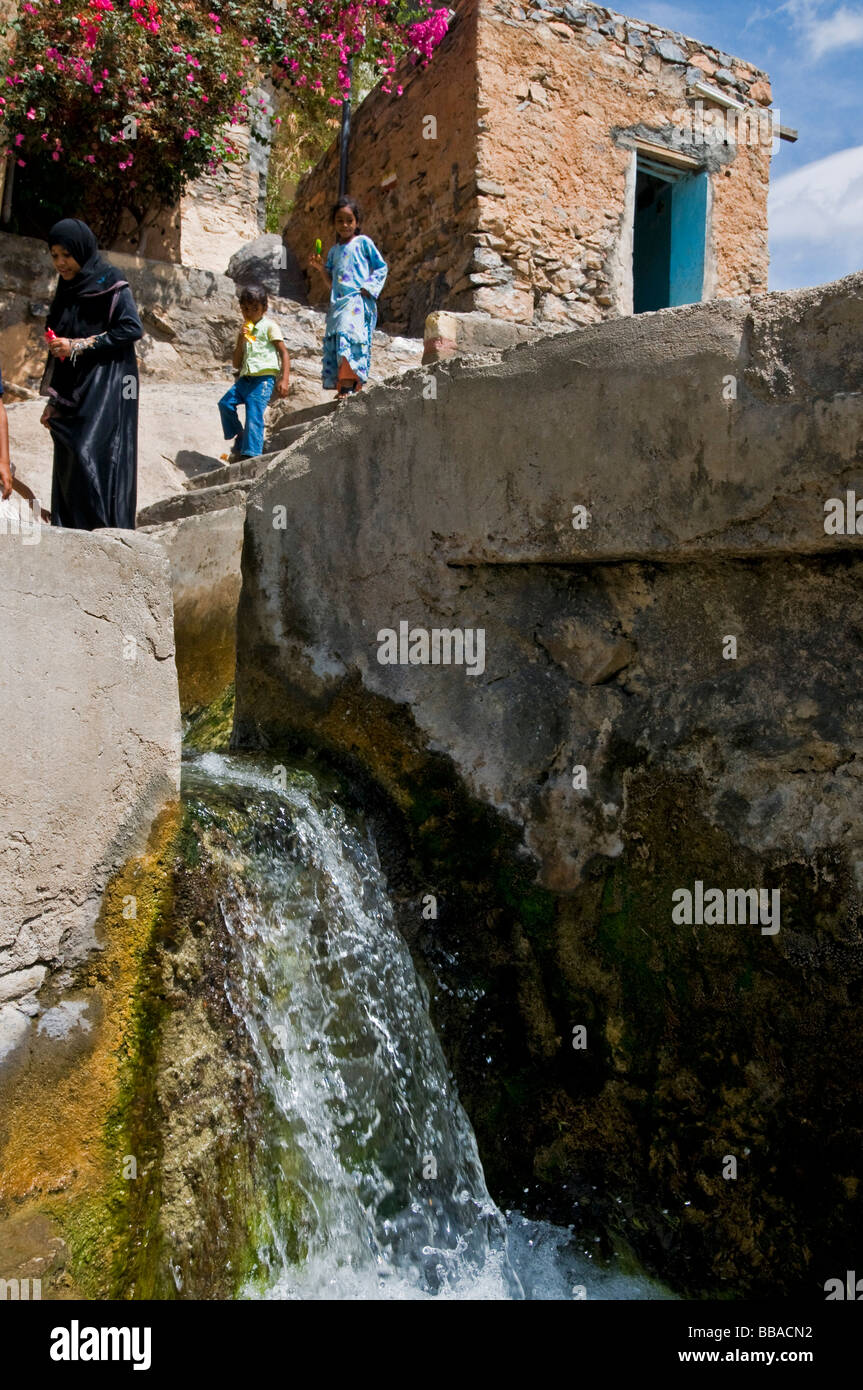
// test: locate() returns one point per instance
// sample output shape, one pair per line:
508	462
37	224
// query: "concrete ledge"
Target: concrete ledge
451	335
204	553
89	687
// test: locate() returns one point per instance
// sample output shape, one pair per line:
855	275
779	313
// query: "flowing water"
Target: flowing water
375	1186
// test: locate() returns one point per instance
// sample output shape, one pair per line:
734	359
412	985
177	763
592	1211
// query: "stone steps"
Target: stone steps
229	485
297	423
195	501
244	470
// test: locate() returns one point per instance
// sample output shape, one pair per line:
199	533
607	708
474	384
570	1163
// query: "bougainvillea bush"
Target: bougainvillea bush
117	104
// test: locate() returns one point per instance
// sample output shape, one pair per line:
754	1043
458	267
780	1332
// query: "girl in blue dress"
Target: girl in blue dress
355	272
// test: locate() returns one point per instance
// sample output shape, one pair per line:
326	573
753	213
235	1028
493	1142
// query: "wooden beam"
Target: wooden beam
666	155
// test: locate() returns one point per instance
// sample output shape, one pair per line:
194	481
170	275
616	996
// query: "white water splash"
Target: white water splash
393	1202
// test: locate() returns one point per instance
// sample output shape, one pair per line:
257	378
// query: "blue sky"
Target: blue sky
813	52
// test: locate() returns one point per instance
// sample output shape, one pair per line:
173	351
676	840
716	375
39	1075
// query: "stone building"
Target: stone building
558	164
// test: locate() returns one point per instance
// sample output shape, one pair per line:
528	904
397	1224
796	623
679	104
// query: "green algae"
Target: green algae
68	1111
207	728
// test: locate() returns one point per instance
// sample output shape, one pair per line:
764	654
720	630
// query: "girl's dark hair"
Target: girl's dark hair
253	294
345	202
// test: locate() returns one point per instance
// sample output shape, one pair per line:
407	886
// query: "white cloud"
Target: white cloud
815	216
844	29
822	33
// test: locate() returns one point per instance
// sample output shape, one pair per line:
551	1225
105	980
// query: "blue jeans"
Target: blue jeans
254	393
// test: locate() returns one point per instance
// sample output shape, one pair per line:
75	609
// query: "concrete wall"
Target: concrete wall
204	552
89	692
408	507
702	444
522	206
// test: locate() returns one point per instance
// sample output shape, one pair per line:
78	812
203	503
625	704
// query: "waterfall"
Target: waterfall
370	1151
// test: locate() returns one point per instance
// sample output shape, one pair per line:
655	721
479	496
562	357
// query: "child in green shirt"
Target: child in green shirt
261	358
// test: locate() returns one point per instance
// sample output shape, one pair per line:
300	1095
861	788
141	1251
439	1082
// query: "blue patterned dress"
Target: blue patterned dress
355	266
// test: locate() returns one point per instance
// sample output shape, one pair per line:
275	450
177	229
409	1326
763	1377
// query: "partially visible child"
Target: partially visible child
261	358
5	461
355	271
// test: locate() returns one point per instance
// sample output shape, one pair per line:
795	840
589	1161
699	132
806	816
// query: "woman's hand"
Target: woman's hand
5	480
46	416
316	263
60	347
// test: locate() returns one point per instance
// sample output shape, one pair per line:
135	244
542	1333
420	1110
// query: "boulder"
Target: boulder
259	262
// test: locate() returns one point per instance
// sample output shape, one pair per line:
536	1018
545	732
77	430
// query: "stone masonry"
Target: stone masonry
503	179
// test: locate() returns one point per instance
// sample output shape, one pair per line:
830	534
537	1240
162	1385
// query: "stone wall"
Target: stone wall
522	206
564	92
633	515
220	212
155	237
190	319
89	687
417	194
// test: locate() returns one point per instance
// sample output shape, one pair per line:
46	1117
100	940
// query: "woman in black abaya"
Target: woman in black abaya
92	383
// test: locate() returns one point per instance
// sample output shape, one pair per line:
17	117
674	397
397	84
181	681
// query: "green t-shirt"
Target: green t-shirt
260	357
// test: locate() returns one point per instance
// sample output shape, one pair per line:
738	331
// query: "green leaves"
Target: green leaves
80	67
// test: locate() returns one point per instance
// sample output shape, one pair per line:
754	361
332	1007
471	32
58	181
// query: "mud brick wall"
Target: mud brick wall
422	219
563	93
522	205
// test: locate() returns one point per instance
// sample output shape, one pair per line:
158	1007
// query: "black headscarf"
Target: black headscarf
67	316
